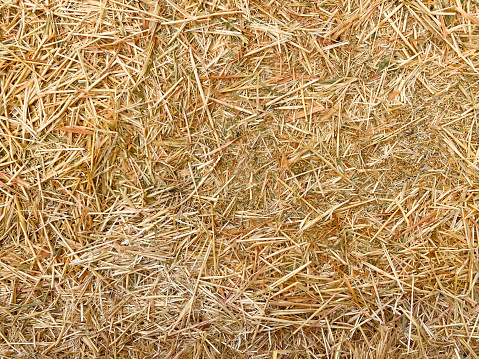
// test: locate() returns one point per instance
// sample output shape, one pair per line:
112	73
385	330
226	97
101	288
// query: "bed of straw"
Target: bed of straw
239	179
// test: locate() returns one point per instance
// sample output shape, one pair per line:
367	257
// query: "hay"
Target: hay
206	179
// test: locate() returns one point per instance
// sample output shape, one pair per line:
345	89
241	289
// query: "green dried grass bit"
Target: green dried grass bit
383	65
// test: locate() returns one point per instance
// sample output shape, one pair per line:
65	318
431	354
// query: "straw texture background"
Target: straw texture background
239	179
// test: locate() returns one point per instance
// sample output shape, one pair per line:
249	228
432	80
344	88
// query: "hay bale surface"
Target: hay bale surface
239	179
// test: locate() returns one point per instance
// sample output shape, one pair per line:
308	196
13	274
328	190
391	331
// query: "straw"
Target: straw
217	179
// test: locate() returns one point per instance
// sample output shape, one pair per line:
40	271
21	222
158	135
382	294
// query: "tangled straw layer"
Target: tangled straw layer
217	179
